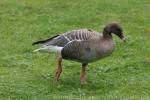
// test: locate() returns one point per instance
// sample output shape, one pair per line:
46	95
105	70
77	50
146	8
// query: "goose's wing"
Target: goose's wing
80	50
63	39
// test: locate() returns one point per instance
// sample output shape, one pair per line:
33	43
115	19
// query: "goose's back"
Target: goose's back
81	34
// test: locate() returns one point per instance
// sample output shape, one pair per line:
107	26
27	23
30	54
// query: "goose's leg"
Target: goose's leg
59	69
83	80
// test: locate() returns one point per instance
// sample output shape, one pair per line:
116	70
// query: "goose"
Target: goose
81	45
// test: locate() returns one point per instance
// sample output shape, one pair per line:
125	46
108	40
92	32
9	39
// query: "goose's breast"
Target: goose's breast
106	48
99	51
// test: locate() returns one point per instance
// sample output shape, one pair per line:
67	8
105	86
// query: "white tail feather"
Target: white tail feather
49	49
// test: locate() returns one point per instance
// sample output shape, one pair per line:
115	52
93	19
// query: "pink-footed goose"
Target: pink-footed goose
83	45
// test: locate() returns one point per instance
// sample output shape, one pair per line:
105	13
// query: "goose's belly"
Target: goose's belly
93	53
94	56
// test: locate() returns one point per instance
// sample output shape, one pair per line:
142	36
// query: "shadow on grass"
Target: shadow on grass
105	82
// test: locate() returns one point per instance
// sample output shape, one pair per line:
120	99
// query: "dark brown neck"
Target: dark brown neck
107	35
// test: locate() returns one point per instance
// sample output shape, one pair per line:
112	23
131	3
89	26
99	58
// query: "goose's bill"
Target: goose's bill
122	37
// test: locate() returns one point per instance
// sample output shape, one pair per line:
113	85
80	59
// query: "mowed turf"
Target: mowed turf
25	75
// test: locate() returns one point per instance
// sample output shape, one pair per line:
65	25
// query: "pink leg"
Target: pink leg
83	80
59	69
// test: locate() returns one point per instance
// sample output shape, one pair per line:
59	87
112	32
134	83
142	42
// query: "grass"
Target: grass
25	75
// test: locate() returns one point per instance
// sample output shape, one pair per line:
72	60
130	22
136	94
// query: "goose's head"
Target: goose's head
114	28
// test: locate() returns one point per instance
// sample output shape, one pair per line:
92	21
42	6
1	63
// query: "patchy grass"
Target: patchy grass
29	76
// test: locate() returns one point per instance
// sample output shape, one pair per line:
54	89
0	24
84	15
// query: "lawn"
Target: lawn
25	75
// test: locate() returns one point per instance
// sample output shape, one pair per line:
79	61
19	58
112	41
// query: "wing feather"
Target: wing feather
81	34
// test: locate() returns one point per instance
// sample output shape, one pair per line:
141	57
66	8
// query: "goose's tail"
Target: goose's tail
49	49
44	41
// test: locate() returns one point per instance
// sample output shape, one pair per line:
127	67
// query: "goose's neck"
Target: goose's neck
107	35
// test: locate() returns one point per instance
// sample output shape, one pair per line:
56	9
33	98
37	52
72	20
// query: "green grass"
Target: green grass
25	75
